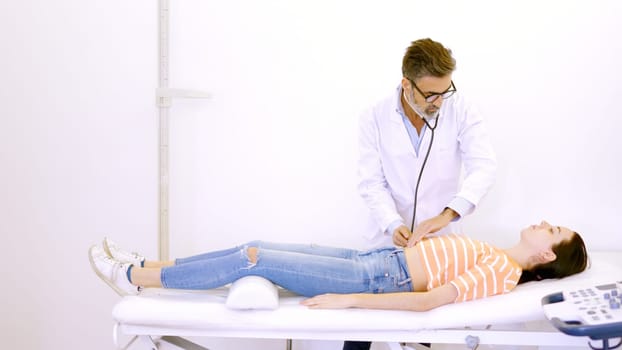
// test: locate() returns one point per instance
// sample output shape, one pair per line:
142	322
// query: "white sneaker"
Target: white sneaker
118	254
114	273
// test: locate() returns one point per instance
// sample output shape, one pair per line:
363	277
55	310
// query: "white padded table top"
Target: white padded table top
206	310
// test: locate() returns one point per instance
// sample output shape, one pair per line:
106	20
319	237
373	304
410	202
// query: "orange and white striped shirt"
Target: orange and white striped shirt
475	268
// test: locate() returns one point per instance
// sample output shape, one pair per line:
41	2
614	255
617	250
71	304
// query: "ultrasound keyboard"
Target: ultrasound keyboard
594	312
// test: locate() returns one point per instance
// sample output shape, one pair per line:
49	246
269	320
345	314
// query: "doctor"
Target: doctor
425	157
416	141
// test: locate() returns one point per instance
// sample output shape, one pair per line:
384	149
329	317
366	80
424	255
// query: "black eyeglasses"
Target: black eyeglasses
433	96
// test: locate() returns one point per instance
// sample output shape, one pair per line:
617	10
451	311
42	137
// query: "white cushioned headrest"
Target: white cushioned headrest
253	292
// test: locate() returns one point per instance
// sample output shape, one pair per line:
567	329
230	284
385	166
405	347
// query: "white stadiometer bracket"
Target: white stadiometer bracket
164	98
165	95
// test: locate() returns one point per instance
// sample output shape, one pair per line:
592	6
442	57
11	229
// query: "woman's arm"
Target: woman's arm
413	301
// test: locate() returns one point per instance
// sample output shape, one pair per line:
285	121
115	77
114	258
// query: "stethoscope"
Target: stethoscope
425	160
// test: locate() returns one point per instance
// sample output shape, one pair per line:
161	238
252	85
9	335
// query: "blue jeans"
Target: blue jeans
303	269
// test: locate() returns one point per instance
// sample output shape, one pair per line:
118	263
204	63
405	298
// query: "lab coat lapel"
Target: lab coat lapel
403	139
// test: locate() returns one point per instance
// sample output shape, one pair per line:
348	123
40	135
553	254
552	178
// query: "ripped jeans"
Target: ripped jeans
304	269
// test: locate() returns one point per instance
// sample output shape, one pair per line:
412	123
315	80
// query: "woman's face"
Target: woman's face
545	236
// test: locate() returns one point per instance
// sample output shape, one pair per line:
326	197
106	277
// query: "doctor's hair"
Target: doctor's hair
571	258
426	57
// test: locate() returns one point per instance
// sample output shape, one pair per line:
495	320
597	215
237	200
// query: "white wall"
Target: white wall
78	151
272	155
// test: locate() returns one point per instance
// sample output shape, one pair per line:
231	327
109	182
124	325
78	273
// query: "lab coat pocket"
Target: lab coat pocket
446	161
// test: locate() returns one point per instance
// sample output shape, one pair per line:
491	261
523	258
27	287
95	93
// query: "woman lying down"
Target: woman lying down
438	270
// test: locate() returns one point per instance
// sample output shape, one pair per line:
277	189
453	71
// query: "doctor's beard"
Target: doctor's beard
430	112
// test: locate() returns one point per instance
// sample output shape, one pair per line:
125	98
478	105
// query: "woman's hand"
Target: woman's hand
330	301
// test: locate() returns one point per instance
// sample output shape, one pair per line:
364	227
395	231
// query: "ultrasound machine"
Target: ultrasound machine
594	312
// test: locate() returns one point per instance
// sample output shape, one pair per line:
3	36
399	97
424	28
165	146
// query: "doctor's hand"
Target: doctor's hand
431	225
329	301
401	236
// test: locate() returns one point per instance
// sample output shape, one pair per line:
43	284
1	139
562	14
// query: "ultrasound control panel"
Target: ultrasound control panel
593	311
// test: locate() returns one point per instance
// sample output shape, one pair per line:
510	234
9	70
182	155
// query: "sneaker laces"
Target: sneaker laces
118	266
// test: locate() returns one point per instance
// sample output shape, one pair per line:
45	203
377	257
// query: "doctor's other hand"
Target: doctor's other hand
401	236
329	301
429	226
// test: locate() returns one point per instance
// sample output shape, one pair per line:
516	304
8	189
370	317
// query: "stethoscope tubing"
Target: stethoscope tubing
425	160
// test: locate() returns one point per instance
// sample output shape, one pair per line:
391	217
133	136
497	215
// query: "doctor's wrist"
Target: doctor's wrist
449	213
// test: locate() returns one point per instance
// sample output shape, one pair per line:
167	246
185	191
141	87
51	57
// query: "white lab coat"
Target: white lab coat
389	166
